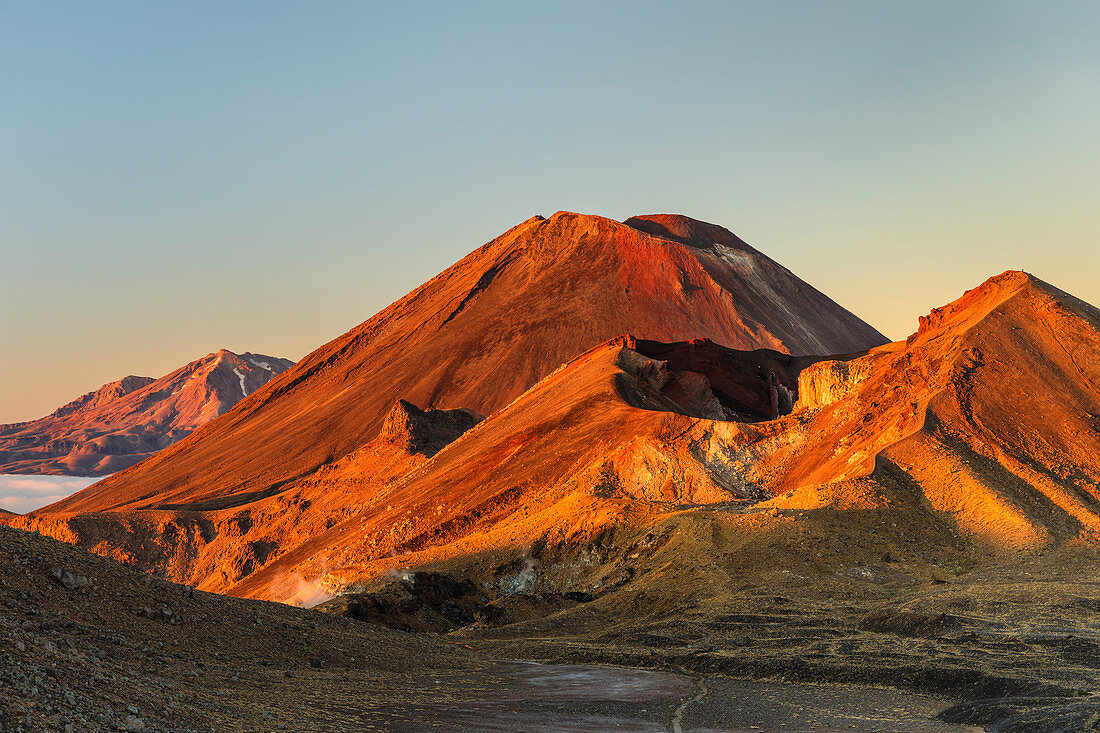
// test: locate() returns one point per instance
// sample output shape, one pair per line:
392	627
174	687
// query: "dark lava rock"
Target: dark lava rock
439	602
908	623
420	601
70	580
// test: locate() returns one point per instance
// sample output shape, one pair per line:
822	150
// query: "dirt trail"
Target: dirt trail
678	714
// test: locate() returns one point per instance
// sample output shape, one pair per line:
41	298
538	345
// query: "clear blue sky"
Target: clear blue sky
180	177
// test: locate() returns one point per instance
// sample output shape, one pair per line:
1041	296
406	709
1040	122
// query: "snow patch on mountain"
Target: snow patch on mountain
240	376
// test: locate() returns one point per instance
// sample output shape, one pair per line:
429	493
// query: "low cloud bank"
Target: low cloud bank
22	493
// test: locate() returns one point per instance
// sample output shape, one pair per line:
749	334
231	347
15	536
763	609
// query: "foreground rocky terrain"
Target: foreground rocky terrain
126	421
1016	645
89	645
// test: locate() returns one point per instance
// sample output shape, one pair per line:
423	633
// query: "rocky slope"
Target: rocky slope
981	425
126	421
87	644
481	333
937	428
924	517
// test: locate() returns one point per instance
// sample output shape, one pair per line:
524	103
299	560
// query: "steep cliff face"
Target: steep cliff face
126	421
830	380
704	379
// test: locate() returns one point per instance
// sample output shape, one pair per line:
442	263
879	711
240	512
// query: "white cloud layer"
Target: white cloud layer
21	493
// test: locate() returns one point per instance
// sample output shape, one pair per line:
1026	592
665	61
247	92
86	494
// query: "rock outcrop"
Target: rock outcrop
425	431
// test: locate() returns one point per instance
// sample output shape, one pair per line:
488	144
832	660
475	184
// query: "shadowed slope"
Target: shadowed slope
426	432
81	655
479	334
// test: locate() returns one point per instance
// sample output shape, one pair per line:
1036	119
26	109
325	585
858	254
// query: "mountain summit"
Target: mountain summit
485	330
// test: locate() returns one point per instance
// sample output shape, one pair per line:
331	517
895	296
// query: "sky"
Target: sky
177	178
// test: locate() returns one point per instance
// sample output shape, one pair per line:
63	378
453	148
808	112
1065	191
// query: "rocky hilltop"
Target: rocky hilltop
126	421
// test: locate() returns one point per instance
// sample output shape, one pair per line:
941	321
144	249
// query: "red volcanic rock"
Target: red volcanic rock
982	430
481	333
126	421
688	231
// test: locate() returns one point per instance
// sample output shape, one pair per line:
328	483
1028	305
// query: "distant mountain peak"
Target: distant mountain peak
125	421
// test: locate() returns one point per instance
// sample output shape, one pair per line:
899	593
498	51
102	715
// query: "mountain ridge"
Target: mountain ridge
648	431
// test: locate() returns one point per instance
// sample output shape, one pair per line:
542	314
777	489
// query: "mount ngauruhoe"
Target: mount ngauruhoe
213	509
484	331
126	421
647	443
